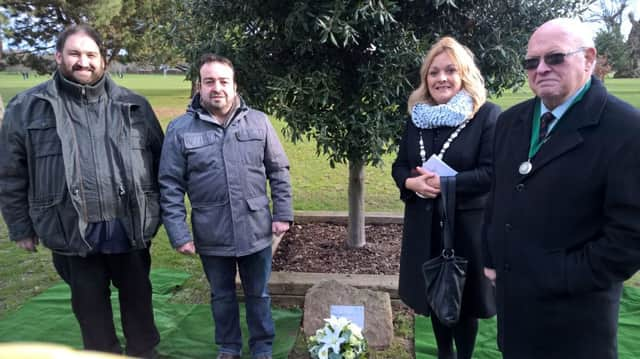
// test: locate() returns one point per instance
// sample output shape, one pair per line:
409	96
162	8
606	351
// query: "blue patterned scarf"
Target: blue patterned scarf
451	114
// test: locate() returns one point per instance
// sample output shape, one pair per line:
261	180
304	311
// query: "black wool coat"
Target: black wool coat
564	237
470	154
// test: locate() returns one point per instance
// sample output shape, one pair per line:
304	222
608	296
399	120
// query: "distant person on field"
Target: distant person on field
222	153
1	109
563	221
78	172
449	116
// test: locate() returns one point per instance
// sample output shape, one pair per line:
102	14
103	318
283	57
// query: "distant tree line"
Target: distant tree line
618	55
133	30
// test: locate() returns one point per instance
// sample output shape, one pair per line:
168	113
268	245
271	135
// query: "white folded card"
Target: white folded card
435	164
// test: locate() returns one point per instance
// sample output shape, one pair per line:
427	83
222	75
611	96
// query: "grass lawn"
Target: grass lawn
316	187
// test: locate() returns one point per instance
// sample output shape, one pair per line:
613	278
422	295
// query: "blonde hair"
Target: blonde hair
462	57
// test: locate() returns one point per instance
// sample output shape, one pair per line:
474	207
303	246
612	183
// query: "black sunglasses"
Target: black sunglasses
550	59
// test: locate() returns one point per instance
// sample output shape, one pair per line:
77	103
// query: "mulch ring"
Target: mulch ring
321	248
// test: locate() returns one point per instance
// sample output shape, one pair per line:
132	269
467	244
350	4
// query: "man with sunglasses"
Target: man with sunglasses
562	226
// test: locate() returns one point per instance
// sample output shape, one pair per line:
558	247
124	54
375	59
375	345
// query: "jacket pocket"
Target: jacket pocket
251	143
138	141
151	214
142	159
48	177
48	224
202	150
212	226
259	216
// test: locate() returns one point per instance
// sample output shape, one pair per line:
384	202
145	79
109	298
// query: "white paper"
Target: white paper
355	313
435	164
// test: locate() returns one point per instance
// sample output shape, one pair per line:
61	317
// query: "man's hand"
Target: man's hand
29	244
188	248
278	228
491	275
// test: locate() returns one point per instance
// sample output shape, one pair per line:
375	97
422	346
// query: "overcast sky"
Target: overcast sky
634	6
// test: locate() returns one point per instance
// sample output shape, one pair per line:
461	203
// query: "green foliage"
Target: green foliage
137	27
611	43
339	72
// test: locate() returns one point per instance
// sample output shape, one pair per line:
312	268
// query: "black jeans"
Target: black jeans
89	279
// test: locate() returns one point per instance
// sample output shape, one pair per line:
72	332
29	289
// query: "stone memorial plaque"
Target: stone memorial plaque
324	298
355	313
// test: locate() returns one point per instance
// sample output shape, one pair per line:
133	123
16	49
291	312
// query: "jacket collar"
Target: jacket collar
201	113
51	91
79	91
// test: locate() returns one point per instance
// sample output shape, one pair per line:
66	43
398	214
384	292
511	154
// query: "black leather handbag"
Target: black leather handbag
445	275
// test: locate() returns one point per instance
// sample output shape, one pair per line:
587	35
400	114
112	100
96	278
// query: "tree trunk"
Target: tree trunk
356	237
194	87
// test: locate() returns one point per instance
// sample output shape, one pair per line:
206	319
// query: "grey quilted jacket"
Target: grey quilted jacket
224	171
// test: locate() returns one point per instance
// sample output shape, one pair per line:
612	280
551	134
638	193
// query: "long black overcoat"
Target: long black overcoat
470	154
564	237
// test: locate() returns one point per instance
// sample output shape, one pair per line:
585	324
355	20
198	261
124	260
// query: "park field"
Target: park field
316	186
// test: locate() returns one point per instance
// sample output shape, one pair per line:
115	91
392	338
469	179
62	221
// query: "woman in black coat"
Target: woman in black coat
449	117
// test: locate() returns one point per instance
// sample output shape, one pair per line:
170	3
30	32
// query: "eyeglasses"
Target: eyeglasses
556	58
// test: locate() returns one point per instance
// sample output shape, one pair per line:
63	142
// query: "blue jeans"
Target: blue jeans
255	270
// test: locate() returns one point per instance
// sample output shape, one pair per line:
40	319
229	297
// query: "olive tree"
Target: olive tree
340	72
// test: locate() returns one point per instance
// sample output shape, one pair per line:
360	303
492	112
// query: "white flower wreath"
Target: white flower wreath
338	339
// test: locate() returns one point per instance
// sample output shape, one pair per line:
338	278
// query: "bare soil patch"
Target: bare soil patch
321	248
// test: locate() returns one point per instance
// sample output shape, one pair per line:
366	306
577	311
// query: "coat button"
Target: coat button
520	187
75	191
507	267
508	227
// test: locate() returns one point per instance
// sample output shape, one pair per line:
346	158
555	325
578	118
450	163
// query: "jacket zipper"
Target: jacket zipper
80	184
85	105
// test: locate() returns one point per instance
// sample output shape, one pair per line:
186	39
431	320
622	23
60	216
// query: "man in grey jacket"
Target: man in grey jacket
221	153
78	172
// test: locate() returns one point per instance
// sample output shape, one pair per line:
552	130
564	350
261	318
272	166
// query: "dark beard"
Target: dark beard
69	75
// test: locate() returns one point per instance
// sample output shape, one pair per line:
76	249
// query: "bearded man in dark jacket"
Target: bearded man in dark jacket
78	172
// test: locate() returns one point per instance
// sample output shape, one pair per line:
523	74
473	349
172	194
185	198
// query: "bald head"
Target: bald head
556	78
573	30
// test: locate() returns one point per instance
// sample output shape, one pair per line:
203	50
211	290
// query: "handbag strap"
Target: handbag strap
448	212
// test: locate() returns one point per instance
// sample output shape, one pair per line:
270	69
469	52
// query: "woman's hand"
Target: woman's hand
426	184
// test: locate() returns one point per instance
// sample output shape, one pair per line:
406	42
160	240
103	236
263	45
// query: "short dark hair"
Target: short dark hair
83	29
209	58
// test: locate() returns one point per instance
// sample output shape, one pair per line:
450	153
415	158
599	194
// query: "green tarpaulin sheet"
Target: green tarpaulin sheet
486	347
186	330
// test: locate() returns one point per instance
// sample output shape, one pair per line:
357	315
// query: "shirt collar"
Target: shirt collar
563	107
